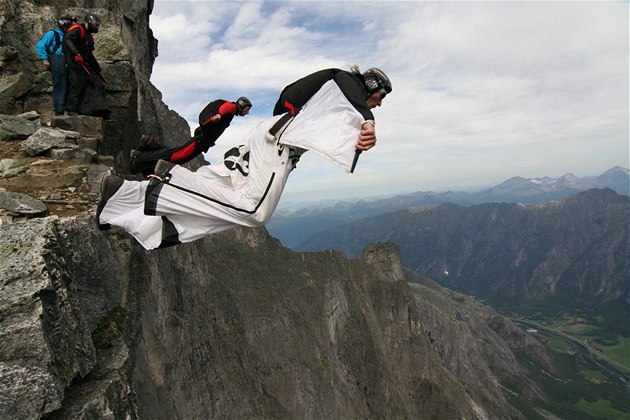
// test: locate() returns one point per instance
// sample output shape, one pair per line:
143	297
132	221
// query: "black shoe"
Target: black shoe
109	185
163	168
142	162
147	144
162	172
134	160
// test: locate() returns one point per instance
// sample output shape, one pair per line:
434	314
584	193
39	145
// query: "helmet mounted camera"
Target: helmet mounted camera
65	22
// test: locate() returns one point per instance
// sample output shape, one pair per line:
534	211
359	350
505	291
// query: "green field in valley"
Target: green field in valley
602	409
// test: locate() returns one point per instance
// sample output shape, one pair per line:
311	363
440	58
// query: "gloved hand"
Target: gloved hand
78	58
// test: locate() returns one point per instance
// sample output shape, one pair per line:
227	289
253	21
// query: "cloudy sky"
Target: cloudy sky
482	91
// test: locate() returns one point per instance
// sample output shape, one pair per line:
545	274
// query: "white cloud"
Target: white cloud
482	90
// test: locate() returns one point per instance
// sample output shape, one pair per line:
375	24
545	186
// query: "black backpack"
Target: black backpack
63	23
57	42
209	110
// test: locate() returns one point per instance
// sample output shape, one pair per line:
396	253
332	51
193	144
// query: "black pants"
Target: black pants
77	82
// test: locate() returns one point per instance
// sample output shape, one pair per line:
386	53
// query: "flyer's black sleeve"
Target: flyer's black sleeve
353	89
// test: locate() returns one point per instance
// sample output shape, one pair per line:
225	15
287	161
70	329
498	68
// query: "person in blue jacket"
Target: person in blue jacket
49	49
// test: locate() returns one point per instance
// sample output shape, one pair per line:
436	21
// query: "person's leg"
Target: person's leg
125	209
244	190
59	81
110	184
190	150
143	161
77	83
122	205
181	206
147	144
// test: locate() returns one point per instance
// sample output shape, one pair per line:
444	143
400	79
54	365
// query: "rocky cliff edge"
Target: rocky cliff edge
236	326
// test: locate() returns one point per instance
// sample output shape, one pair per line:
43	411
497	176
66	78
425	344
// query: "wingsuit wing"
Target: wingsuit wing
328	125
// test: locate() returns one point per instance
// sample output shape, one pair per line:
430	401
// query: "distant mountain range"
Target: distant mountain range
538	190
293	226
574	250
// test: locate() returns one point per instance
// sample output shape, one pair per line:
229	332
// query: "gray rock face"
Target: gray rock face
476	344
293	335
42	140
237	326
46	342
11	167
236	314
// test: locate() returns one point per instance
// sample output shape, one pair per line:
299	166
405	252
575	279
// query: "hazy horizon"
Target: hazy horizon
288	204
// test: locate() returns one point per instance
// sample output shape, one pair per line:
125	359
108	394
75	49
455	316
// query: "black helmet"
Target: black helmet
65	22
376	79
94	23
242	103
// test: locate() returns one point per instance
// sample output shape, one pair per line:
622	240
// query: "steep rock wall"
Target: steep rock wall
232	326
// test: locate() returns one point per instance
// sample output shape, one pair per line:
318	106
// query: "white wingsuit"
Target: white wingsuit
242	190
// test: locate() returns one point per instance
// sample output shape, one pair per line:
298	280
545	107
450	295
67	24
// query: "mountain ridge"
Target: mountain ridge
543	245
293	226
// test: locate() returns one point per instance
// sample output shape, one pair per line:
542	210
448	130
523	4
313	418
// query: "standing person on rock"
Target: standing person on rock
49	49
86	91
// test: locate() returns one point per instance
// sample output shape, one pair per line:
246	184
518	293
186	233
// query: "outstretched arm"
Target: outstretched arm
227	108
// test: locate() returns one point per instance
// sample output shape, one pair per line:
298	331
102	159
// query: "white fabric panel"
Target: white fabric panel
328	125
126	209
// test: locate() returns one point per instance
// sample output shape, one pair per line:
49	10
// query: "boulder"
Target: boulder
11	167
21	203
43	140
15	128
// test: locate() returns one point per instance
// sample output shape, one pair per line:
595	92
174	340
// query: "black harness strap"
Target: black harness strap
152	196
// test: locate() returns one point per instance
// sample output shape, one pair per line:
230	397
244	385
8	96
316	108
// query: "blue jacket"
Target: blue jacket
48	42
